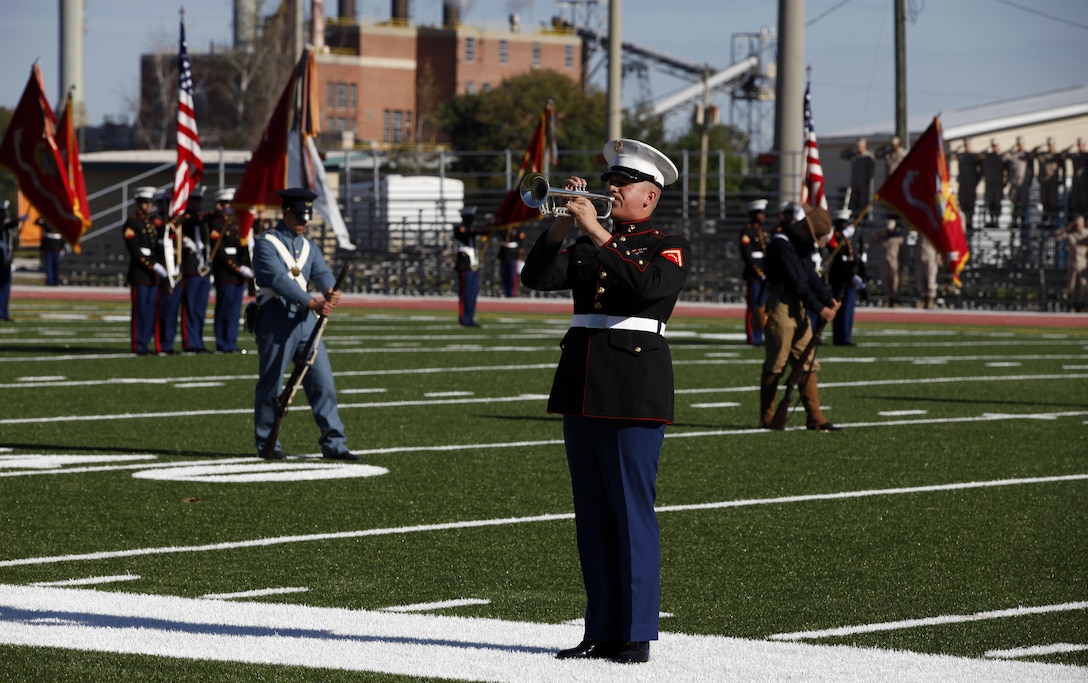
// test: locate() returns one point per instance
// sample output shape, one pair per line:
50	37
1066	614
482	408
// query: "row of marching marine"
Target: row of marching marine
174	264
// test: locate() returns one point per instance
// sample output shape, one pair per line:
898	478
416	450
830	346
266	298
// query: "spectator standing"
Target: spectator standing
967	177
862	171
1078	186
995	173
928	261
1051	167
892	154
1021	173
1075	238
891	240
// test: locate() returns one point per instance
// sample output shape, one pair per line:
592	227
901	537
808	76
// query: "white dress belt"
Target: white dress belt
599	321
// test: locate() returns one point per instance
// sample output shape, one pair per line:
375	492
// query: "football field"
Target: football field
941	536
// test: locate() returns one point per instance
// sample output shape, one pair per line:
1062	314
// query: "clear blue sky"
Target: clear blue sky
960	52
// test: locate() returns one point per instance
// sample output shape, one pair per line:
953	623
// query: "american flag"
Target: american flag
190	168
812	192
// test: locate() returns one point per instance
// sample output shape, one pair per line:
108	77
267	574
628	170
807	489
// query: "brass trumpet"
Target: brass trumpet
537	193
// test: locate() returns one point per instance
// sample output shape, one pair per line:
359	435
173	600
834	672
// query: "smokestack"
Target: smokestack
400	11
317	25
451	13
245	25
347	10
71	59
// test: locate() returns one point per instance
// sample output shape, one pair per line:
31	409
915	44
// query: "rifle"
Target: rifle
301	368
778	423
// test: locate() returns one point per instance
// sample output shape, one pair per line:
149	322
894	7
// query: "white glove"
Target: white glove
160	270
246	272
858	282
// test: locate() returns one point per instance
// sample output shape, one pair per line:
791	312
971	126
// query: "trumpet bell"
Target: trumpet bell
536	193
534	190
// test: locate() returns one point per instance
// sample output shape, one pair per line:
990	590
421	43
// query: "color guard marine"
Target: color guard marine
753	247
146	272
231	271
195	272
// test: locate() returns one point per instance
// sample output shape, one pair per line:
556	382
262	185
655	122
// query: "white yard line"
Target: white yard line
507	521
447	647
928	621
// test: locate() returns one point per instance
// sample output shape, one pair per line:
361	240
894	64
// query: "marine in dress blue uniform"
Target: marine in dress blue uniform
9	240
53	248
510	253
614	388
195	273
467	265
844	268
145	272
288	315
753	247
231	271
171	296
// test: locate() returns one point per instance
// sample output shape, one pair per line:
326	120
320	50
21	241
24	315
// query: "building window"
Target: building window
330	123
342	95
536	55
504	52
351	96
330	97
470	50
568	56
470	88
387	125
486	87
407	126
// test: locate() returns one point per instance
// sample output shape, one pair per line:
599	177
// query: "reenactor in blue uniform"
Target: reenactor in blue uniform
195	273
231	271
170	300
467	264
614	389
510	254
753	246
146	272
284	261
845	276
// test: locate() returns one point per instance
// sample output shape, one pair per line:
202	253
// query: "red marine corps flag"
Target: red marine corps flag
69	151
812	190
513	211
190	167
29	150
286	156
919	190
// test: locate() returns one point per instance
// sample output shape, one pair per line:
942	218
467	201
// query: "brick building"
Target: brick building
379	83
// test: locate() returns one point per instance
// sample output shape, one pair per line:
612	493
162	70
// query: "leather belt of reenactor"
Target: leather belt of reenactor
599	321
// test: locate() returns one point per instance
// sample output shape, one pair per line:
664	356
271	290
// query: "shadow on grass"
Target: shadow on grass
112	450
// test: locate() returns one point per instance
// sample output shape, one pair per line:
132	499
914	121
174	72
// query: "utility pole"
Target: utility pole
901	73
789	98
615	71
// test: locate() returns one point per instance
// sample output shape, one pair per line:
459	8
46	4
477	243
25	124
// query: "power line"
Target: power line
1032	10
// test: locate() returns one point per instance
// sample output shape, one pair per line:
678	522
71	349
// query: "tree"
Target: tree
507	116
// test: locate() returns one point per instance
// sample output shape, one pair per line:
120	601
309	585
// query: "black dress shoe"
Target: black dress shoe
276	455
633	653
346	455
591	649
825	427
